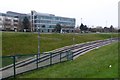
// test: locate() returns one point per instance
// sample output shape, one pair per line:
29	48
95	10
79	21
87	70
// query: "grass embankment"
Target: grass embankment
26	43
94	64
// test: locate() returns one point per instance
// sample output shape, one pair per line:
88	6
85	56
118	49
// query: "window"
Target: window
16	17
15	24
35	25
15	20
7	19
48	30
57	18
35	21
35	17
43	26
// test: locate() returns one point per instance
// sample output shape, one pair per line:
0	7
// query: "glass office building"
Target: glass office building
47	22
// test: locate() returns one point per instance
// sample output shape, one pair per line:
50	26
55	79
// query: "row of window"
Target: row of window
45	30
45	26
50	25
49	21
9	20
54	18
15	20
8	24
53	22
42	21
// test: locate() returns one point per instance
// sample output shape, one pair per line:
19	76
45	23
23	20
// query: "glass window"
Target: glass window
15	24
35	25
35	17
16	17
35	21
15	20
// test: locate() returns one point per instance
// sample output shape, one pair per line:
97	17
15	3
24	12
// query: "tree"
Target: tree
119	30
90	29
26	23
85	28
106	29
82	27
58	28
111	28
99	29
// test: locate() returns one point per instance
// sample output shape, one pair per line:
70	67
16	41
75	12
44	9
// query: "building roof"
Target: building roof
7	15
46	14
15	13
43	14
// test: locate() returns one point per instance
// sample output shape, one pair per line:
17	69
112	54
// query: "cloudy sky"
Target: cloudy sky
92	12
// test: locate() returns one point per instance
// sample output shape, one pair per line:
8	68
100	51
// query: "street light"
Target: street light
38	55
39	40
111	34
73	37
73	43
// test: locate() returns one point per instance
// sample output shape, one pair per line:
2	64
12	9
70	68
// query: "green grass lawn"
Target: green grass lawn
26	43
94	64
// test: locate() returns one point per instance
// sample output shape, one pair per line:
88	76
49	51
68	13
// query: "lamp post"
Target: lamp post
39	41
73	43
73	37
38	55
111	34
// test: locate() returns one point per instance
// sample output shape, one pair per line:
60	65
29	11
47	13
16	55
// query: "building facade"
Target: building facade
47	22
21	17
8	22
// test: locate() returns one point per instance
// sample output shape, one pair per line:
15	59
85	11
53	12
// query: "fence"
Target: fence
13	65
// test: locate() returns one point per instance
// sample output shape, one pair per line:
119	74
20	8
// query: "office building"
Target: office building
47	22
21	17
8	22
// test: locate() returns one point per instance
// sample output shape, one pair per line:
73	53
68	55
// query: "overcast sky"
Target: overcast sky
92	12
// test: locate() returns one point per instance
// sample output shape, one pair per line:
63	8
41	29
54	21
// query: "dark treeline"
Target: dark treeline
85	29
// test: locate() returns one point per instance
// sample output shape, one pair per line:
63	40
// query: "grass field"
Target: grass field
94	64
26	43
